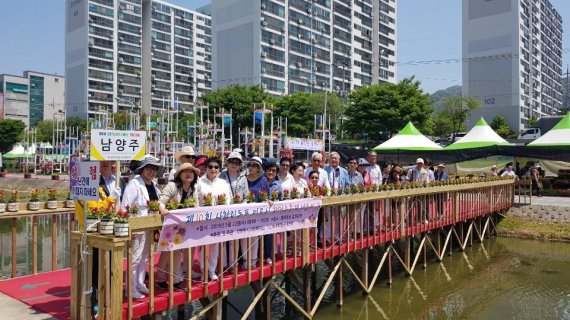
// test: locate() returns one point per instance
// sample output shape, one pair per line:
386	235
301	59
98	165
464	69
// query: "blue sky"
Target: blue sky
428	30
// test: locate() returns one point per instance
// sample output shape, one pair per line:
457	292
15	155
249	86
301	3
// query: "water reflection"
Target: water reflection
505	278
24	244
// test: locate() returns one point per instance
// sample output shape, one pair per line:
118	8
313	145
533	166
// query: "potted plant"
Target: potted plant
172	205
275	195
294	193
208	200
236	199
250	197
2	202
69	203
51	198
92	219
55	176
286	194
153	206
121	225
106	224
13	202
188	203
34	204
221	199
262	196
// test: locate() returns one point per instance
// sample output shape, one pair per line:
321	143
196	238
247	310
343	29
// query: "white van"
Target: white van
530	133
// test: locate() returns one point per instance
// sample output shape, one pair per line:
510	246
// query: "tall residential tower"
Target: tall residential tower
303	46
512	58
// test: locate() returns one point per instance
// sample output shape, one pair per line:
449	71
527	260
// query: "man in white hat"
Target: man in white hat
185	155
418	173
535	174
440	174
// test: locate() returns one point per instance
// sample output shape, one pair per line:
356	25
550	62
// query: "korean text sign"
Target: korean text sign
304	144
117	144
84	180
186	228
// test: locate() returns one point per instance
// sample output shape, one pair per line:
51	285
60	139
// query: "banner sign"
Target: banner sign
304	144
84	180
117	145
186	228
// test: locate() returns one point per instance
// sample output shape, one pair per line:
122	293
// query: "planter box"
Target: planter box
13	207
121	229
51	204
34	206
27	175
106	227
2	207
55	177
91	224
69	203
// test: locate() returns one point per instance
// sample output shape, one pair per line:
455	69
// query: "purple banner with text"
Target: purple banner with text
186	228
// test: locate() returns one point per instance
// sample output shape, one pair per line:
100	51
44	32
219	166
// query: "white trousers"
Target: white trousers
213	253
140	259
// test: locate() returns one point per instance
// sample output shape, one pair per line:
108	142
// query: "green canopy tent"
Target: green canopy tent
480	136
18	152
557	137
407	144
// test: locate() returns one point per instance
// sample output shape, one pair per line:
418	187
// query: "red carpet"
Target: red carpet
47	292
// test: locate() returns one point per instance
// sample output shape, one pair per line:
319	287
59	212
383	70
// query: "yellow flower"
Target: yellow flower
163	244
178	239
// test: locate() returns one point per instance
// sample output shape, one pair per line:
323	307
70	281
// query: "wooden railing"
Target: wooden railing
358	221
54	217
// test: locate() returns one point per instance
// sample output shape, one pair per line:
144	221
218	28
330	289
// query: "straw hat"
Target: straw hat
185	151
186	166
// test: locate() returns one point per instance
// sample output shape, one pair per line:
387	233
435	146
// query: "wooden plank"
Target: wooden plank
117	283
53	244
14	252
145	223
34	245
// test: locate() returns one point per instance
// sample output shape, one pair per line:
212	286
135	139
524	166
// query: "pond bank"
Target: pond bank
544	221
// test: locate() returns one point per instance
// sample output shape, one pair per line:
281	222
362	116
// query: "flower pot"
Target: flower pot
13	206
106	227
2	207
154	212
55	177
27	175
34	206
121	229
69	203
51	204
91	224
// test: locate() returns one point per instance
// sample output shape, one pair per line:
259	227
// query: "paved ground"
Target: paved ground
551	201
14	309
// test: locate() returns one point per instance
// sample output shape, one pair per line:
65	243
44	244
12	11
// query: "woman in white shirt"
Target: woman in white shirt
211	184
138	192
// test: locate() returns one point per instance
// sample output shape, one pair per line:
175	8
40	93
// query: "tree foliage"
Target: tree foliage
44	131
458	109
378	111
75	122
11	132
240	99
501	127
442	125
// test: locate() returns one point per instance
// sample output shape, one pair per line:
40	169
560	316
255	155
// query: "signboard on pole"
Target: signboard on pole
84	180
117	145
304	144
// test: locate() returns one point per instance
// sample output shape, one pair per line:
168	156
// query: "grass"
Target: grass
517	227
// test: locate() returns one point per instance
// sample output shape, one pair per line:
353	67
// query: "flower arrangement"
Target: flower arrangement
263	196
208	200
250	197
107	213
316	191
325	190
134	209
172	205
294	193
286	194
152	205
92	212
236	199
188	203
339	191
14	197
347	190
2	198
35	195
306	192
274	195
221	199
122	216
52	194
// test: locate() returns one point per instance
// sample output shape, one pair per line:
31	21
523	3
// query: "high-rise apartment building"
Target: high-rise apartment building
566	91
134	54
512	58
303	46
33	97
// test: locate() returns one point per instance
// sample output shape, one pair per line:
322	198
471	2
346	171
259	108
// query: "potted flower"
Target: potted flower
121	225
325	191
208	200
2	202
236	199
34	204
221	199
262	196
106	224
92	219
294	193
250	197
69	203
187	203
51	198
172	205
153	206
306	193
13	202
286	194
275	195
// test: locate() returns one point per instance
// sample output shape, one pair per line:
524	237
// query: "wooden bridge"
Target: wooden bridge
404	225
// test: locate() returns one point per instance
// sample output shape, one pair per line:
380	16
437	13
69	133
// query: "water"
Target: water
503	279
24	247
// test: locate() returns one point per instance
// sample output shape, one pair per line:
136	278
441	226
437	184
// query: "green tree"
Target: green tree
240	99
532	120
378	111
458	109
335	107
442	125
44	131
75	122
297	109
11	132
501	127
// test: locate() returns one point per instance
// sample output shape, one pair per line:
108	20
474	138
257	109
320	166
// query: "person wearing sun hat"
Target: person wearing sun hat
185	155
418	173
440	173
139	192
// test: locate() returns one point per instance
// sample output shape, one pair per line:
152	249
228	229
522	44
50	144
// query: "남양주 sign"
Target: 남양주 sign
117	145
84	180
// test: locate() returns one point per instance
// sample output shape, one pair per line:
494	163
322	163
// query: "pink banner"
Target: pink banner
186	228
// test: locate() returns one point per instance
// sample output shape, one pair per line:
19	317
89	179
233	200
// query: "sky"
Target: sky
427	30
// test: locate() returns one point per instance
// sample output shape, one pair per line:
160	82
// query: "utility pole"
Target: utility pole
567	93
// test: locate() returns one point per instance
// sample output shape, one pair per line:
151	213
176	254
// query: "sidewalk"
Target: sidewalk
14	309
551	201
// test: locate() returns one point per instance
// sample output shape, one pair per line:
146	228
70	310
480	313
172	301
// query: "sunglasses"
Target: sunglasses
213	167
234	162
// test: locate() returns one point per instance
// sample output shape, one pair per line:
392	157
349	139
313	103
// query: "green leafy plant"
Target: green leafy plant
122	216
52	194
188	203
153	205
2	198
35	195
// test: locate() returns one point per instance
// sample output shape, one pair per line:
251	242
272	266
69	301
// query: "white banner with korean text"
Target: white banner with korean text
304	144
186	228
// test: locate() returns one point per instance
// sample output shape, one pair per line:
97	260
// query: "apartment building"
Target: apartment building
512	59
303	46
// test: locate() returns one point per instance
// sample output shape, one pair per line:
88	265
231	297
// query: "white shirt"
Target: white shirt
300	184
508	173
287	183
136	193
216	187
375	173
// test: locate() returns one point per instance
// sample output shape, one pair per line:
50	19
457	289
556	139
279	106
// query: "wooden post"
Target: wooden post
53	243
364	276
339	291
307	296
34	244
